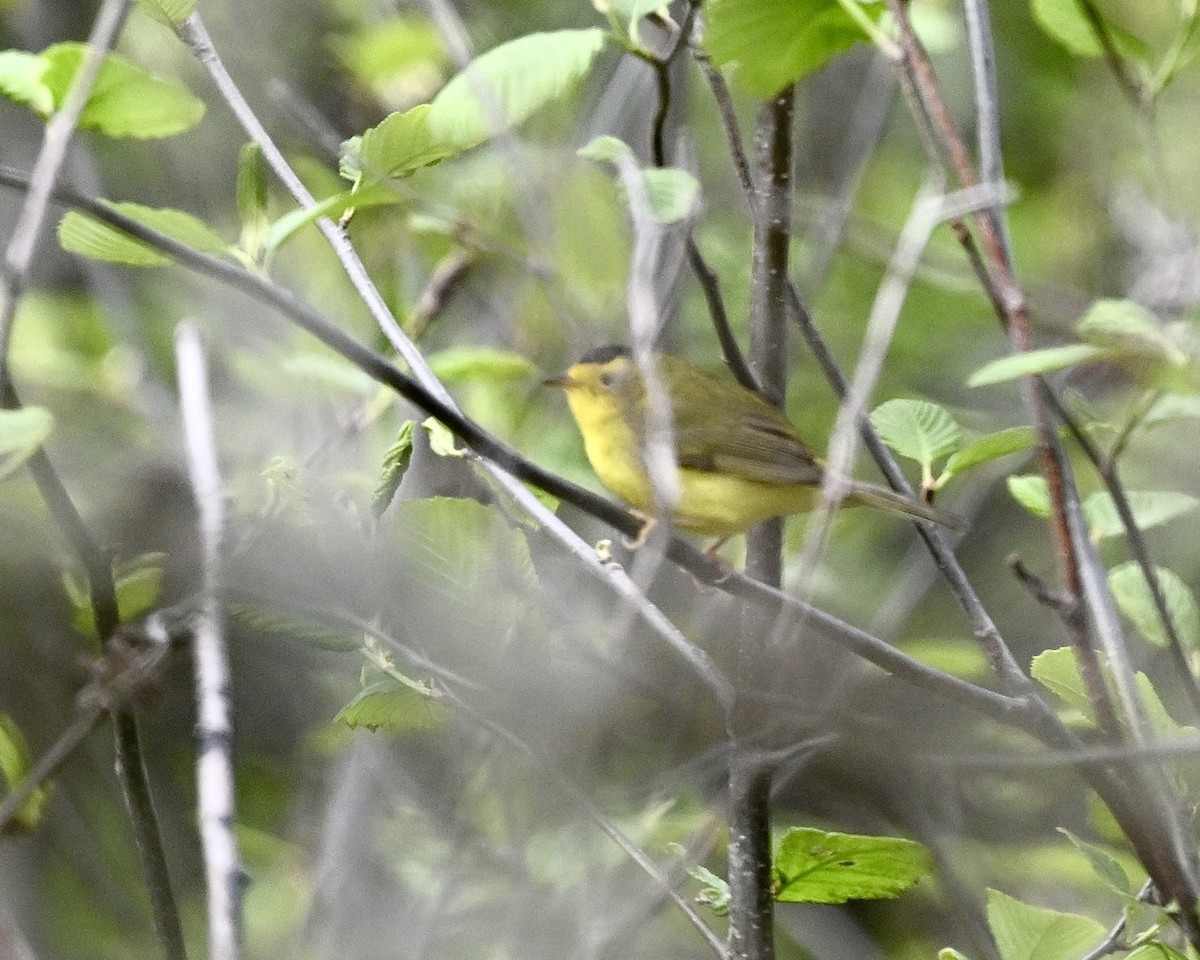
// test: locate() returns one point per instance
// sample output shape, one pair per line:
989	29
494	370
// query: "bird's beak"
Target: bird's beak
562	380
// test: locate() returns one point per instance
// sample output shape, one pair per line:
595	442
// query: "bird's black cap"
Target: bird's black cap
605	354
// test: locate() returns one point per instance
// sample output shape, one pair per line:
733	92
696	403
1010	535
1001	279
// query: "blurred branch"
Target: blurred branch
214	711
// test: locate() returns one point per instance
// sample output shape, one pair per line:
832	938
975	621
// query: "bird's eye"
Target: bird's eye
608	378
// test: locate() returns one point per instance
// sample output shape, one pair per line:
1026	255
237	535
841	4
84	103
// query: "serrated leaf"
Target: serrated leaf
395	465
1065	21
814	866
126	100
392	707
1025	932
1031	492
398	145
1136	602
21	80
168	12
1151	508
16	760
139	583
1019	365
294	626
458	364
769	44
990	447
917	429
1107	867
22	432
83	234
508	84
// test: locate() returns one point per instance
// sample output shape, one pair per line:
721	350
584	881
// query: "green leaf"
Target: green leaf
1065	21
1128	327
458	364
396	55
293	626
949	953
1172	407
441	440
397	146
85	235
139	583
813	866
21	80
1031	492
769	44
395	465
328	370
1156	950
1025	932
16	760
393	707
1107	867
670	192
168	12
917	429
508	84
991	447
126	101
1151	508
1133	596
715	895
374	195
1019	365
22	432
251	197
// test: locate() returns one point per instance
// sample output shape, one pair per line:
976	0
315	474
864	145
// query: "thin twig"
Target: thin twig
214	711
49	763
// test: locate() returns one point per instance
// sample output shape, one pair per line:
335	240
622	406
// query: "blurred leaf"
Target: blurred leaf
671	193
991	447
441	440
1107	867
1157	950
769	44
508	84
21	80
251	197
813	866
1171	407
400	58
1065	21
918	430
395	465
456	364
1031	492
139	583
1151	508
294	626
393	707
22	432
85	235
328	370
1128	327
1025	932
168	12
949	953
715	894
126	101
1058	671
334	206
1133	596
1019	365
16	760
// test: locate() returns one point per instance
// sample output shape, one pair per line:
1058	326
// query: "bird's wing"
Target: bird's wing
747	438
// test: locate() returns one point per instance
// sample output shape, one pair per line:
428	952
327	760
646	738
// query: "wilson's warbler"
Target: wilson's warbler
740	459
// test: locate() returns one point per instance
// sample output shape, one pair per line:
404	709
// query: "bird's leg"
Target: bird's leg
711	550
648	525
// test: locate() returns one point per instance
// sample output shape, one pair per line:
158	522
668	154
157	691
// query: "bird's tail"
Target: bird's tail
873	495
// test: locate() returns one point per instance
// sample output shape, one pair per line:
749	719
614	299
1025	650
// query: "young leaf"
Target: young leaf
1058	671
916	429
139	583
16	760
1018	365
1031	492
671	193
1107	867
126	101
22	432
393	707
949	953
168	12
508	84
773	43
1025	932
1133	596
813	866
715	894
991	447
251	196
1151	508
399	145
85	235
21	81
395	465
441	440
